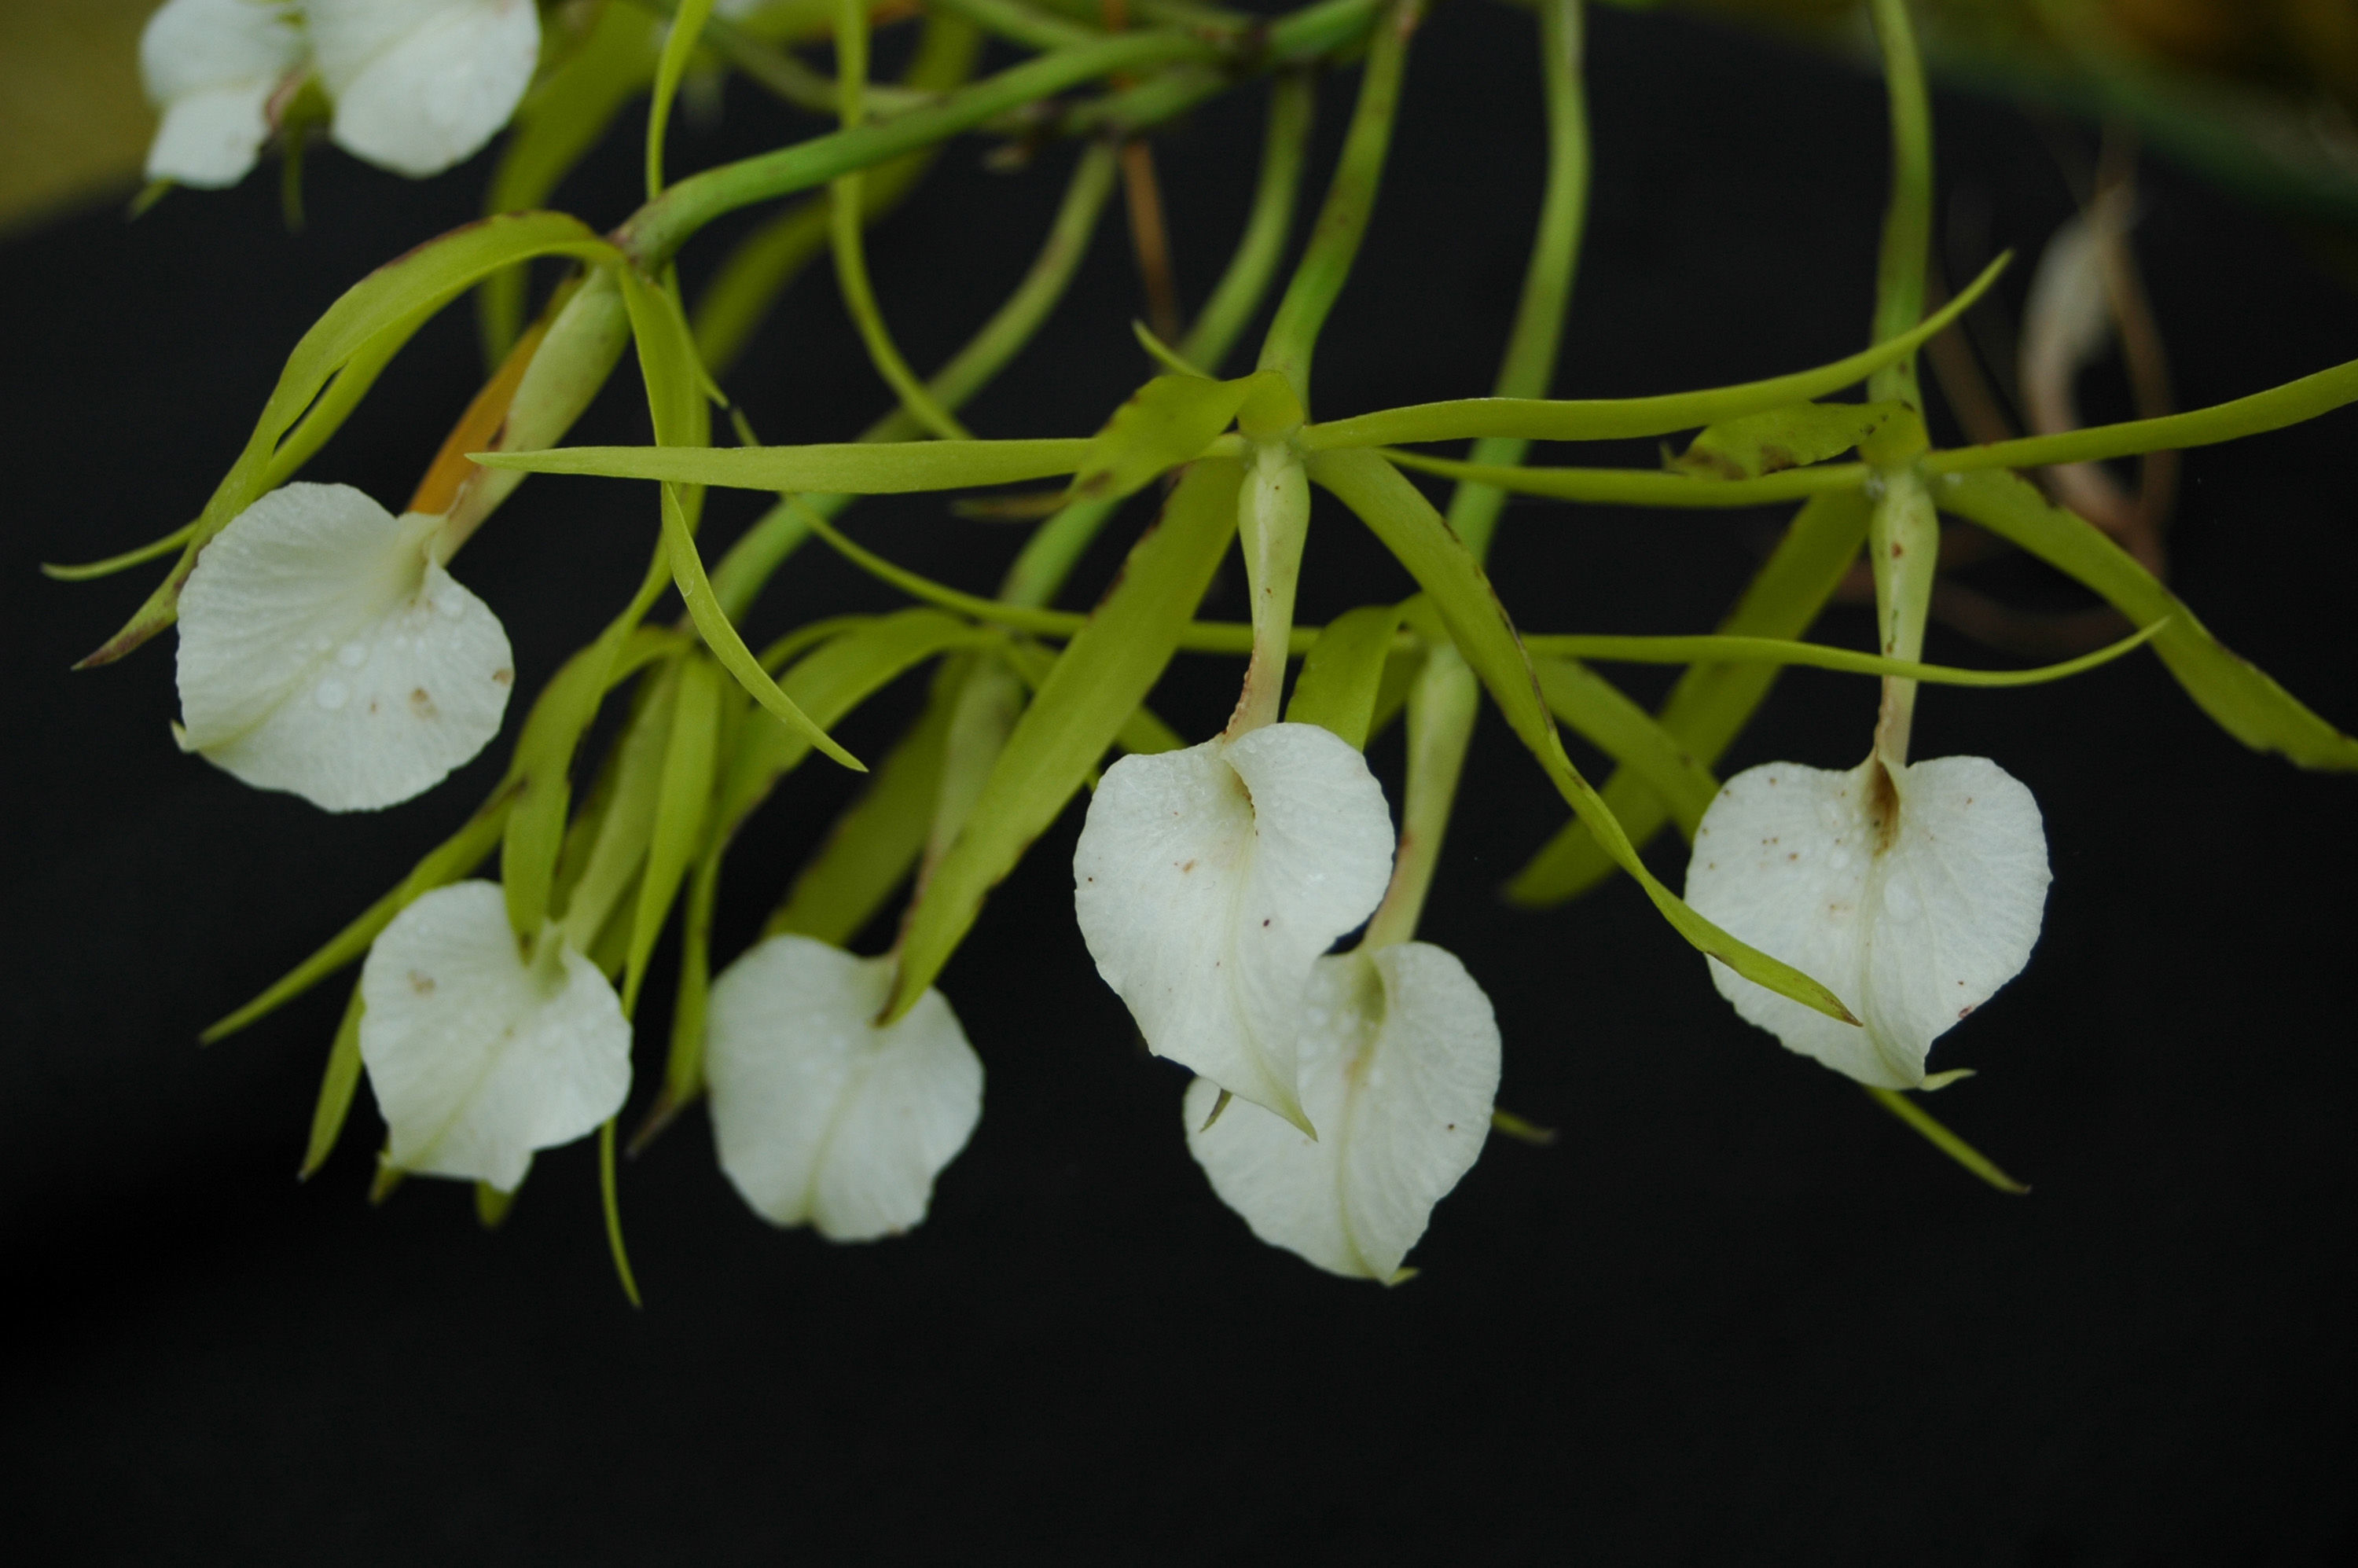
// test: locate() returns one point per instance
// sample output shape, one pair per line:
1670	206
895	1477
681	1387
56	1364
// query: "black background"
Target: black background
1736	1314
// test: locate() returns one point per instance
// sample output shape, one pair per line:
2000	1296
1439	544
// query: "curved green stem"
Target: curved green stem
1292	109
659	228
1334	244
1907	221
1530	363
851	255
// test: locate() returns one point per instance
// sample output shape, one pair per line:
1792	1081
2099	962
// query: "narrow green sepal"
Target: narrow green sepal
337	1086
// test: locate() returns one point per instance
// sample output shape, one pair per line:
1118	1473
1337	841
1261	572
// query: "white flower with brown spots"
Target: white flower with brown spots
324	651
1207	882
417	85
478	1053
1915	892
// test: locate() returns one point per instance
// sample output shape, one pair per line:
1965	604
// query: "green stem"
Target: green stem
1441	709
1021	24
851	255
1002	337
1446	697
1907	221
659	228
2291	404
610	1200
687	26
1903	549
1334	244
1292	107
1946	1141
763	547
1530	363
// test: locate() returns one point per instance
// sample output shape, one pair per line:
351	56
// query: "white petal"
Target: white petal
1912	936
820	1116
1207	882
323	652
1400	1065
420	84
210	67
476	1058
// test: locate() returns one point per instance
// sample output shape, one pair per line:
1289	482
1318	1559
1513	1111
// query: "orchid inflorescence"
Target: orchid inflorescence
1248	896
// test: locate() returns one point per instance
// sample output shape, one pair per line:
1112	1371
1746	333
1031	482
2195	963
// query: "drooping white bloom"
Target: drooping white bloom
477	1057
1915	893
1399	1064
1207	882
820	1116
417	85
325	651
210	67
420	84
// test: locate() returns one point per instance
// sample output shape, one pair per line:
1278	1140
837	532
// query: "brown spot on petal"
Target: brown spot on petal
1963	1013
503	677
1186	868
421	703
421	982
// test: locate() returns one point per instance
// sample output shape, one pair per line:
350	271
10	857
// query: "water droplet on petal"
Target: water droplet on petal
331	695
352	655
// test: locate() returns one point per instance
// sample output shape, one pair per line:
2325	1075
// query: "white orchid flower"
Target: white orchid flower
419	85
324	651
1207	882
822	1117
1914	890
478	1056
1397	1064
211	68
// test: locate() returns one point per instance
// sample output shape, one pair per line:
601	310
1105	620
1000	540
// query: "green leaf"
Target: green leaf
626	819
679	44
1606	716
847	467
1816	655
1788	437
1400	516
828	684
542	761
2235	693
1712	702
2274	409
1343	673
1640	487
337	1086
1599	419
874	845
1143	733
84	571
675	398
682	802
683	1063
355	339
1098	683
1165	423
